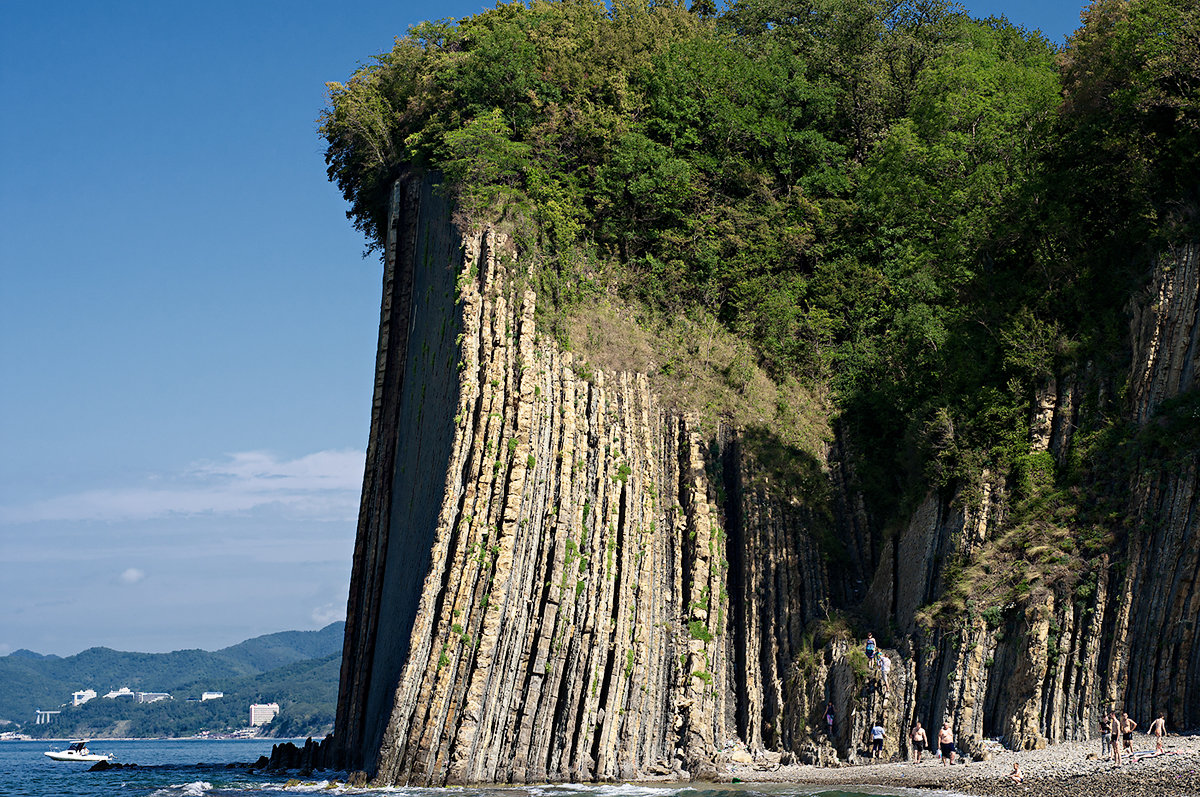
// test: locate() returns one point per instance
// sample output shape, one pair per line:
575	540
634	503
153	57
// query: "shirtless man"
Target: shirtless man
1127	726
1114	727
1158	729
946	743
919	740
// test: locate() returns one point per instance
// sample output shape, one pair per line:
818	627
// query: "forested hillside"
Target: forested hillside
922	216
306	692
296	668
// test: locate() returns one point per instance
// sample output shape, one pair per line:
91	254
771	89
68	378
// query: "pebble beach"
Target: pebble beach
1069	768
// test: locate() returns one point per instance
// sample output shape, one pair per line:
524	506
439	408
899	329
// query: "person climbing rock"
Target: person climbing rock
870	648
946	743
829	719
919	740
885	667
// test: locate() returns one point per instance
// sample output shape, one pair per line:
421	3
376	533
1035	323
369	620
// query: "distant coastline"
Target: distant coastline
278	685
197	738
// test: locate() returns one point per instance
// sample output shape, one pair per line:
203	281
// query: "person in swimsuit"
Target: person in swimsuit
946	743
1015	776
919	740
1127	728
1114	728
1158	729
870	649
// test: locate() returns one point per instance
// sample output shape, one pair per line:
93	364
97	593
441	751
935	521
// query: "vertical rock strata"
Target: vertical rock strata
541	583
416	378
1157	605
558	578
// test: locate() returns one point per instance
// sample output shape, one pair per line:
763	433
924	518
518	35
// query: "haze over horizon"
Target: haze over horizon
187	326
341	623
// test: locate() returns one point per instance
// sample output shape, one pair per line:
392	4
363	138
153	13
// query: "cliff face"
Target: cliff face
416	389
544	586
1157	604
558	578
1048	668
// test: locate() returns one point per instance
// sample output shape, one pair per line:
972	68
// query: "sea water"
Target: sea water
219	768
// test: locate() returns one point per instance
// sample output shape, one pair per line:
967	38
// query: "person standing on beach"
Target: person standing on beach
1127	727
1158	729
1114	729
829	719
919	740
946	743
1105	732
877	735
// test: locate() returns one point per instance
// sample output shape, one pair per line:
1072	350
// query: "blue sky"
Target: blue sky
187	326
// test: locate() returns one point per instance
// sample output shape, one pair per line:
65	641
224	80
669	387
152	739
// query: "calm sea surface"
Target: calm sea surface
199	768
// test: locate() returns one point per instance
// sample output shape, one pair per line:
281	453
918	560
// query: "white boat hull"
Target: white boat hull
69	755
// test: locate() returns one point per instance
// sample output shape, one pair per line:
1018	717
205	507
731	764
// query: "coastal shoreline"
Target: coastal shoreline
1067	768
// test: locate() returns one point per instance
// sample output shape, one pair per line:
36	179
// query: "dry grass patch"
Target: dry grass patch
1021	564
696	365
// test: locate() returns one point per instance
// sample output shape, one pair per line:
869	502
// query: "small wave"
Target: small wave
606	790
321	786
196	788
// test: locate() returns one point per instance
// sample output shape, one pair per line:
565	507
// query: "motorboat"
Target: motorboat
77	751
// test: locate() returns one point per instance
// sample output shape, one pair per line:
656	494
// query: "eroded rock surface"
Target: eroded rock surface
558	578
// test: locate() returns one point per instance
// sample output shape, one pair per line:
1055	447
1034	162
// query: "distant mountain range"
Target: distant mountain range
298	668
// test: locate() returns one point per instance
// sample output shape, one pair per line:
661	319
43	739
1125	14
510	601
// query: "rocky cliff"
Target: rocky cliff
555	576
558	577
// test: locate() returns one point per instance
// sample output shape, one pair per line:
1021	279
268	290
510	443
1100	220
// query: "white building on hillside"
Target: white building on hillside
211	696
262	713
124	691
151	697
82	696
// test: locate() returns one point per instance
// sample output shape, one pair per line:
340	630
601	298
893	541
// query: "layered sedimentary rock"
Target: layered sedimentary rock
557	577
545	585
1055	662
1157	607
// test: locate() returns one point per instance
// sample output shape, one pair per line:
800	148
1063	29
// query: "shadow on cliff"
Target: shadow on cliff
794	475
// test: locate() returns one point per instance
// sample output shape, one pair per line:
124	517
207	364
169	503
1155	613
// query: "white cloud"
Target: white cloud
329	613
133	575
324	485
